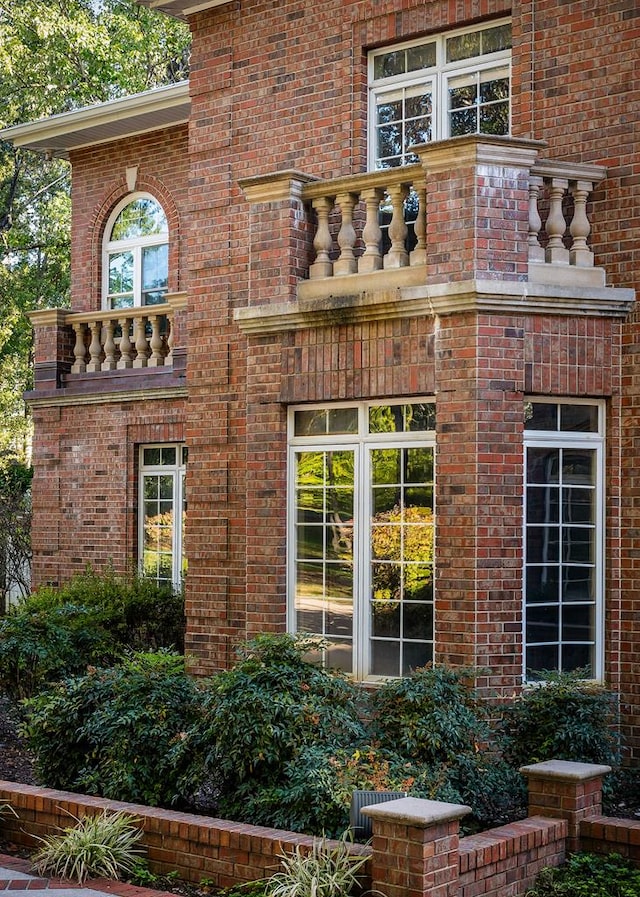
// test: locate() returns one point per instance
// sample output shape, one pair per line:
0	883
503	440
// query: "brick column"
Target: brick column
53	346
566	790
415	847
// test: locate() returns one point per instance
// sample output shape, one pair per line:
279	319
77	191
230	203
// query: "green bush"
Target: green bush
92	619
564	718
433	716
112	731
258	720
586	875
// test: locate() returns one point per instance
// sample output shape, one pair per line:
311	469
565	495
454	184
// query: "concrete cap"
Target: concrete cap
416	812
565	770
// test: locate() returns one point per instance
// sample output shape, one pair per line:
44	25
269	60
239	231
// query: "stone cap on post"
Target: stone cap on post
566	770
567	790
416	812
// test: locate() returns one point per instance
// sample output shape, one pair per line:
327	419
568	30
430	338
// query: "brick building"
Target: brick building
368	282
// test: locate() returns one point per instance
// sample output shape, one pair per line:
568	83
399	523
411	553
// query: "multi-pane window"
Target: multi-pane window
162	513
563	537
442	86
361	539
136	255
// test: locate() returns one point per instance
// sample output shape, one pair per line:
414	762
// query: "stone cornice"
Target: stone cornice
61	398
496	297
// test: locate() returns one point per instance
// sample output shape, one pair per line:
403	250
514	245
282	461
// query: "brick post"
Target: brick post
566	790
53	346
415	847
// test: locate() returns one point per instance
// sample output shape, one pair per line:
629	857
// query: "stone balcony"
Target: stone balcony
480	222
119	351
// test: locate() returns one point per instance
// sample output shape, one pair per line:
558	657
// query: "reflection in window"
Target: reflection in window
136	258
362	534
562	554
444	86
163	513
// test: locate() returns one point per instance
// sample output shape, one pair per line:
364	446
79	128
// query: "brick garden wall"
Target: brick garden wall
415	850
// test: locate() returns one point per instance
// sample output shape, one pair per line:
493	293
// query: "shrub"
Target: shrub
91	620
586	875
258	720
323	871
564	718
432	716
103	846
112	731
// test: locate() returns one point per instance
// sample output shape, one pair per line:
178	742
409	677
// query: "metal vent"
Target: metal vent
361	825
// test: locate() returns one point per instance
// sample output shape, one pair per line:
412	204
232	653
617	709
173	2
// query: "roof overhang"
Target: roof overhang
182	9
57	136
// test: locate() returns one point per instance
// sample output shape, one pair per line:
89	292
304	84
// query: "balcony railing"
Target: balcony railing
122	338
378	222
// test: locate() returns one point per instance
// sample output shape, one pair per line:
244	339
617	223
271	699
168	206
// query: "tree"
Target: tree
56	57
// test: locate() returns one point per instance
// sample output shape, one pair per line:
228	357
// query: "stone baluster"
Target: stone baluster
419	254
371	259
95	347
156	342
140	341
580	254
397	257
536	252
322	242
79	350
347	262
109	363
556	253
170	339
126	348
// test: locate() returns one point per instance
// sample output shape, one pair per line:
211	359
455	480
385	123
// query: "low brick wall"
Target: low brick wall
504	862
416	850
196	847
603	835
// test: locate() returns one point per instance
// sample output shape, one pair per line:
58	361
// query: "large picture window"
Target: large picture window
563	537
443	86
162	513
361	537
136	254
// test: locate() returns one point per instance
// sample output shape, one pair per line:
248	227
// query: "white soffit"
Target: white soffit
182	9
152	110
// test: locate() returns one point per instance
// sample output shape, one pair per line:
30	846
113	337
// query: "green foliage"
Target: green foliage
112	731
564	718
432	716
102	846
15	526
586	875
92	619
259	719
323	870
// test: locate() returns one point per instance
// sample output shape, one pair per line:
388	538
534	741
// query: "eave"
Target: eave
181	9
162	107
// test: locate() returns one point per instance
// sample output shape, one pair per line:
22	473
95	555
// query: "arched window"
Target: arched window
136	254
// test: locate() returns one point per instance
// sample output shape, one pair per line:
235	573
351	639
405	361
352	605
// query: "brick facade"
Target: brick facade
278	100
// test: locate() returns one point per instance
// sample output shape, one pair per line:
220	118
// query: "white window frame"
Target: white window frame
568	439
178	473
437	75
135	245
361	443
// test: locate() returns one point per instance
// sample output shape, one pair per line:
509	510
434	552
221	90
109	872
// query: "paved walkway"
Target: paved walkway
16	875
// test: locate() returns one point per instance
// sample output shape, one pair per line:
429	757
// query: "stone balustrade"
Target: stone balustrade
118	339
363	222
559	224
382	220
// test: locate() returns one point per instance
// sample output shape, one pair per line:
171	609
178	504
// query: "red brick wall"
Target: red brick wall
85	492
99	183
